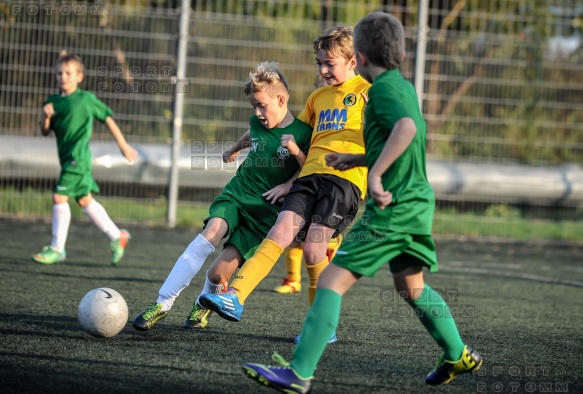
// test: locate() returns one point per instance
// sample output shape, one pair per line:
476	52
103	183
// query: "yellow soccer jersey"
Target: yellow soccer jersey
336	114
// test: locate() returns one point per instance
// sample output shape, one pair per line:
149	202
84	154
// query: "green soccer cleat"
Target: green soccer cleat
118	246
198	317
146	319
445	371
49	255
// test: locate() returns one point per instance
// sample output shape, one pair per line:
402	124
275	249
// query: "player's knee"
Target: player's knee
85	201
313	254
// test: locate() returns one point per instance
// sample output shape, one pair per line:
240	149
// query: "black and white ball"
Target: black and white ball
103	312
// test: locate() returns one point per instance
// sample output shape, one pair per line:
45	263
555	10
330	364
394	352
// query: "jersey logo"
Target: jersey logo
282	152
350	100
332	119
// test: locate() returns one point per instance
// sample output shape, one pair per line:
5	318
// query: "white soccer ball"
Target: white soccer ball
103	312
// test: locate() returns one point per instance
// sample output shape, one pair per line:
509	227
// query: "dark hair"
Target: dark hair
381	38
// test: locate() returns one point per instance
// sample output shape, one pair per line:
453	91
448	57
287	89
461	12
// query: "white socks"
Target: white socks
99	216
209	288
185	268
61	222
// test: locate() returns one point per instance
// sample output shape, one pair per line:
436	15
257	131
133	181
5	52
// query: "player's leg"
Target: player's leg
435	316
290	220
118	238
333	246
217	279
321	321
55	252
292	283
260	264
184	270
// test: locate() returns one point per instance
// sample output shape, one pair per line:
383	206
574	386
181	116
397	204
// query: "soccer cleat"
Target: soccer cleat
332	339
49	255
445	371
118	246
226	305
282	378
198	317
288	287
146	319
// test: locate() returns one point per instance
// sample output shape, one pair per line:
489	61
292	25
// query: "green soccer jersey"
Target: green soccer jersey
391	97
72	124
267	165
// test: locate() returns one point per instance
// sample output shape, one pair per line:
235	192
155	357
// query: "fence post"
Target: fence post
421	49
177	113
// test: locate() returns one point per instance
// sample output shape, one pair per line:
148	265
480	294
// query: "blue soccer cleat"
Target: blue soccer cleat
332	339
226	305
282	378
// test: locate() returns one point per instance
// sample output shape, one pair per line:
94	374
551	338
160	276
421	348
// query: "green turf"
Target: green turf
526	301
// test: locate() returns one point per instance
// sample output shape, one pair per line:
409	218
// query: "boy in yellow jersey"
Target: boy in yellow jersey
323	201
292	283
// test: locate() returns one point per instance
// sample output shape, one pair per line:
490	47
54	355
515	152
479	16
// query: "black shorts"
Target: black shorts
323	199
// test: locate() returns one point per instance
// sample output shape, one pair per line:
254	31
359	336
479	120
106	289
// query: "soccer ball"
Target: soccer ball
103	312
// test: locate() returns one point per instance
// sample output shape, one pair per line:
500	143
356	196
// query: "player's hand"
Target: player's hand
229	156
380	196
277	193
364	97
129	153
289	142
49	110
341	161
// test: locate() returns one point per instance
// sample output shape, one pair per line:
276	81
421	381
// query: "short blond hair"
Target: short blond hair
266	78
67	58
336	41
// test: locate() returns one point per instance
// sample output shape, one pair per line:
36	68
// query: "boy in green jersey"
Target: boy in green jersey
395	227
70	115
248	206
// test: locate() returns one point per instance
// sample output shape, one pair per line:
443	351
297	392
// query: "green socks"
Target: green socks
436	316
321	322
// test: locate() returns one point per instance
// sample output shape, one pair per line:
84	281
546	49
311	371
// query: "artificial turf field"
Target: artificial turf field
523	306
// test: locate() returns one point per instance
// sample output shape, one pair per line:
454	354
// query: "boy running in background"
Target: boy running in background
395	227
70	115
323	200
248	205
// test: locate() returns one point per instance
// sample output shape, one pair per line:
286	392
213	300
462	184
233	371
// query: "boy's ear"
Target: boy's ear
362	58
352	63
281	100
80	77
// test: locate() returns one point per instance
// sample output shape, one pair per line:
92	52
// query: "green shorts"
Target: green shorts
364	251
76	185
246	231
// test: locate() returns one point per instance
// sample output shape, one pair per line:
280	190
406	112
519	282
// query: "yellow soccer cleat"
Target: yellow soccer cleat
288	287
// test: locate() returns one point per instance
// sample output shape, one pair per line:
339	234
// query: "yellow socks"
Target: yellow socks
293	263
314	272
256	268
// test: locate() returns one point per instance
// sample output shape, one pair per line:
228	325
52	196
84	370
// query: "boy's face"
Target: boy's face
68	77
271	110
334	68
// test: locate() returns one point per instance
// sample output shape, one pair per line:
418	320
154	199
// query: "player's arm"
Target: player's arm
345	161
399	140
244	141
129	153
45	123
280	191
289	142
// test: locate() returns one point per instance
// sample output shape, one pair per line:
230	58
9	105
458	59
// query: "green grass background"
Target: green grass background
527	299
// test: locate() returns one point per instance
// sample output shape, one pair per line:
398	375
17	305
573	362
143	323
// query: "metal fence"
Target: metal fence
502	92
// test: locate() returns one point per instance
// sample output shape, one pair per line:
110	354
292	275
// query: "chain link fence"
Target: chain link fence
502	96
